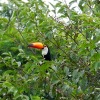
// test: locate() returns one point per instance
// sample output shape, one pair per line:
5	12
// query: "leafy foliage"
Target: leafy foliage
73	38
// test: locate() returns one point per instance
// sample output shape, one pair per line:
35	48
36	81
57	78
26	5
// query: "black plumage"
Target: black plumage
48	55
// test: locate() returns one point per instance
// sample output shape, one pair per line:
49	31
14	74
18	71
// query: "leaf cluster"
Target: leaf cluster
74	41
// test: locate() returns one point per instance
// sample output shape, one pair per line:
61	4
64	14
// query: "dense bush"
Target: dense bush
74	41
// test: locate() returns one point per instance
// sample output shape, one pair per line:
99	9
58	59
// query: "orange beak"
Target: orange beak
37	45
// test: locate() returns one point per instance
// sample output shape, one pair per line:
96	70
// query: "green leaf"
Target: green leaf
35	98
66	70
7	84
75	73
54	68
18	63
7	54
55	82
13	90
29	67
96	66
81	73
66	87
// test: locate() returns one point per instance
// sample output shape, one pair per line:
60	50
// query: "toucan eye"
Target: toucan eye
45	46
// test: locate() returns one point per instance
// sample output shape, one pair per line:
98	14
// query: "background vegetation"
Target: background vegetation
73	38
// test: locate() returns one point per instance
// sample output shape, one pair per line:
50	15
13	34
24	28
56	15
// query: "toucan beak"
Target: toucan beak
37	45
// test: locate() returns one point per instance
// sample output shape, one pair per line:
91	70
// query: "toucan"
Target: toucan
47	56
45	50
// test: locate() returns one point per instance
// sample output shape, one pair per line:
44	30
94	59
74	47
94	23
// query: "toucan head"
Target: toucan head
41	46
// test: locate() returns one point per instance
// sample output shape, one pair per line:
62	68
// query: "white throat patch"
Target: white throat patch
44	51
